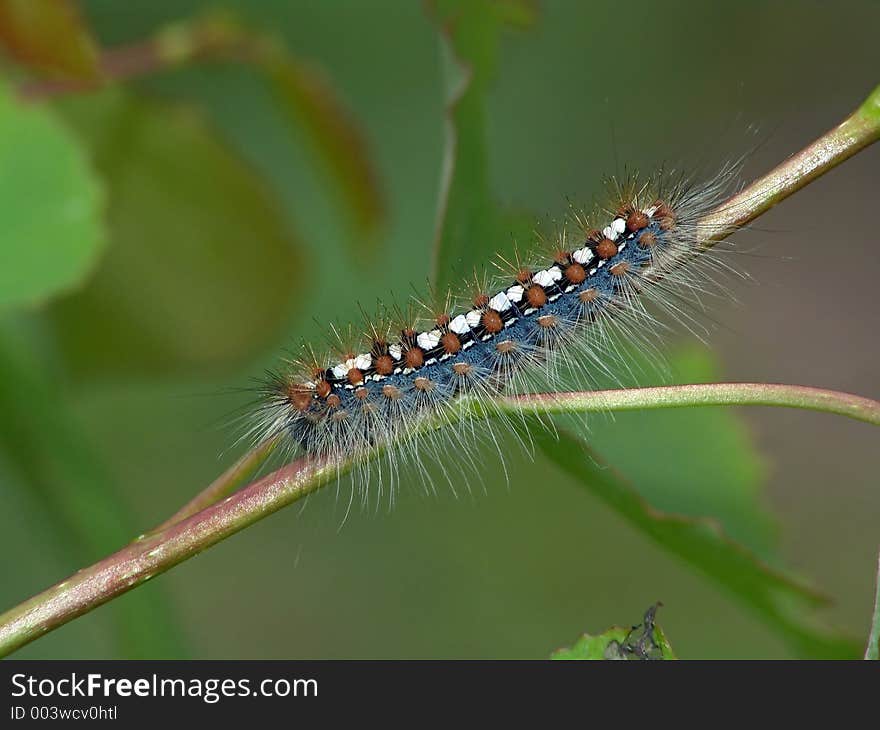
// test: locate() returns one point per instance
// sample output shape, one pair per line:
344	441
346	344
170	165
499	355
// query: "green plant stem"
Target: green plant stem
711	394
853	134
167	546
179	539
225	484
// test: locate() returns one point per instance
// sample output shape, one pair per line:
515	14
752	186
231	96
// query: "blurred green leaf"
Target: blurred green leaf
203	265
50	204
41	440
49	36
468	223
307	95
873	649
781	600
696	461
644	641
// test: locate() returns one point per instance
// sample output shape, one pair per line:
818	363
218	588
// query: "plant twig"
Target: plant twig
709	394
859	130
179	539
225	484
165	547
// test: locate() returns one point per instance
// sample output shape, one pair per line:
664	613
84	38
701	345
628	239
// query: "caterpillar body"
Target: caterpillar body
557	307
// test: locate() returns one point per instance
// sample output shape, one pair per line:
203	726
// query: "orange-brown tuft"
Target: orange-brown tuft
481	300
443	320
492	321
361	393
575	273
355	376
414	357
647	239
662	209
299	396
523	276
322	388
636	220
589	295
423	384
384	365
548	321
667	222
536	296
505	346
606	248
561	256
620	268
390	392
462	368
333	401
450	342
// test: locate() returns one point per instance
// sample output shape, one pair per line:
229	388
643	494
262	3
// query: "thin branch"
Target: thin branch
225	484
213	37
859	130
164	548
711	394
176	541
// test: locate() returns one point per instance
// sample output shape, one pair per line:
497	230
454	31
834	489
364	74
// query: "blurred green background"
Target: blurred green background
261	171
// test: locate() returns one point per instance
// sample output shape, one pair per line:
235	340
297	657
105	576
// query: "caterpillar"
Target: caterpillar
563	306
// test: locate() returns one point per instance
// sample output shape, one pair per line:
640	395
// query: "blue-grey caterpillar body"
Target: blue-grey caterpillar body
555	310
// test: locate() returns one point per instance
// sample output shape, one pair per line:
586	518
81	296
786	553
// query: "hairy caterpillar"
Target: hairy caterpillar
560	307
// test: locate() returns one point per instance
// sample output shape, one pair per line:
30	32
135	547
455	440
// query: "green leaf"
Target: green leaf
696	461
644	641
469	223
50	205
873	649
203	265
42	442
781	600
49	36
308	96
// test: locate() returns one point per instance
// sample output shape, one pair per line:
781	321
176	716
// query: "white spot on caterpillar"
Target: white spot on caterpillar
363	361
548	276
583	255
650	211
459	325
428	340
340	370
515	293
395	351
473	317
500	302
618	226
